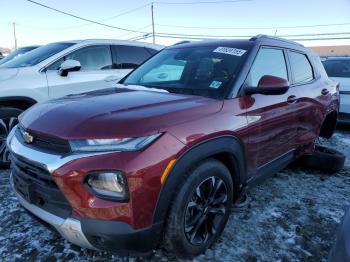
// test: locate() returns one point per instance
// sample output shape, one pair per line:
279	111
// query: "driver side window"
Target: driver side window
90	58
269	61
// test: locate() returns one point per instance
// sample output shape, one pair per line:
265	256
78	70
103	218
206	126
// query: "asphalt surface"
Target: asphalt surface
293	216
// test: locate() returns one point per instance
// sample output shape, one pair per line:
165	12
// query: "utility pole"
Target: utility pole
154	37
14	34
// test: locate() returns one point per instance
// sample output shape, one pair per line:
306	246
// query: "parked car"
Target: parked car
338	68
18	52
160	159
341	248
60	69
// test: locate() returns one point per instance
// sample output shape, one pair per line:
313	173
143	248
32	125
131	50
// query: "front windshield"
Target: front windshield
16	53
204	71
36	56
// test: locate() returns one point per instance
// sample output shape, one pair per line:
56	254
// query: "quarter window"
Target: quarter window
301	68
269	61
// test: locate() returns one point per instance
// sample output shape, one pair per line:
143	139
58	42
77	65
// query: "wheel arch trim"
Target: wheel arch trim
198	152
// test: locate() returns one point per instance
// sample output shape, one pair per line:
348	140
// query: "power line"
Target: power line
78	26
245	36
198	2
99	22
125	13
293	39
176	35
142	37
84	19
139	28
256	28
323	38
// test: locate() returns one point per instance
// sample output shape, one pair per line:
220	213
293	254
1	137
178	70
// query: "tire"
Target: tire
8	119
189	211
324	159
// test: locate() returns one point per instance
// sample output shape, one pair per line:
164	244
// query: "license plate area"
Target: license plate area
25	188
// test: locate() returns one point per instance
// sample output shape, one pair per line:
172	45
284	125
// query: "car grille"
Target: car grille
45	143
37	186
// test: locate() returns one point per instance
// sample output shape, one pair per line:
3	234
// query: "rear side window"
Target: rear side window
337	67
129	57
93	58
269	61
301	68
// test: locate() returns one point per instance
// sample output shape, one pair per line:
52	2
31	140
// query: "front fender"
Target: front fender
198	152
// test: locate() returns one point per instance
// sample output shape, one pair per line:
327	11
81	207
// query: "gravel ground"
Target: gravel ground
293	216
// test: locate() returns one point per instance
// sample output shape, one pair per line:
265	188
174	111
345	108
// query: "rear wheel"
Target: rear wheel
8	119
200	210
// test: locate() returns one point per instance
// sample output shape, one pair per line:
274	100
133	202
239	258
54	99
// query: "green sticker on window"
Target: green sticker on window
215	84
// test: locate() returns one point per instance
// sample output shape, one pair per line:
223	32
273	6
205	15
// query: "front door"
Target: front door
271	118
96	72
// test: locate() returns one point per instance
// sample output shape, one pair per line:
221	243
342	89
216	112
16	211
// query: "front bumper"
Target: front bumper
98	234
94	232
69	228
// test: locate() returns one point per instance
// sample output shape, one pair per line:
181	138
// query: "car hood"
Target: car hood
115	113
8	73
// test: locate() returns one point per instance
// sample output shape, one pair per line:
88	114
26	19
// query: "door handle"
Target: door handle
325	91
292	99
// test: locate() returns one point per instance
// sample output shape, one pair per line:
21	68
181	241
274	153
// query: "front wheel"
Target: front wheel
8	119
200	209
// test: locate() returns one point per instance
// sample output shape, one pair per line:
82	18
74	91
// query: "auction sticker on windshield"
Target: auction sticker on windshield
230	51
215	84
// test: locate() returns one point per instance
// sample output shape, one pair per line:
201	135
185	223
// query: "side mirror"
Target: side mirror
269	85
69	66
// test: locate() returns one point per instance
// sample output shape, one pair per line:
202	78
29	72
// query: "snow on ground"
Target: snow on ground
292	216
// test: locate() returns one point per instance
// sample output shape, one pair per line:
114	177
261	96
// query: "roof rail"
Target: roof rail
182	42
261	36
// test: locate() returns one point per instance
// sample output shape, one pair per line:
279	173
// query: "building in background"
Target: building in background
341	50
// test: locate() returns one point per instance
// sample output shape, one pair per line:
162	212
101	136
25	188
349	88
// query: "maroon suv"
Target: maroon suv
159	160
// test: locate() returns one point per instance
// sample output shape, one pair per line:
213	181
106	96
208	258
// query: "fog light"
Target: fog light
109	185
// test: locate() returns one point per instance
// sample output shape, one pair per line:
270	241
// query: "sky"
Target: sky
38	25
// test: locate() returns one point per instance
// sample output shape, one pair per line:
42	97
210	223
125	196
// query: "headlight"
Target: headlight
103	145
109	185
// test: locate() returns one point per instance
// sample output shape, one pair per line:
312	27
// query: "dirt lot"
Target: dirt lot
293	216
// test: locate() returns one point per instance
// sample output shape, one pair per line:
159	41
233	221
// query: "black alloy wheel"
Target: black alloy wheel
200	209
205	210
8	120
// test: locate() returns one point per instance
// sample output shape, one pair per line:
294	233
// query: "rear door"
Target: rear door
96	69
314	96
271	118
127	58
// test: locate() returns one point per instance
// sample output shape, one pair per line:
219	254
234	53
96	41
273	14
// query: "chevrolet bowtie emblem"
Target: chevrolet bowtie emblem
27	137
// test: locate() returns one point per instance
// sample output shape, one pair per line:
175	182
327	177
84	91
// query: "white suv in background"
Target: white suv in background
60	69
338	68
